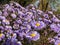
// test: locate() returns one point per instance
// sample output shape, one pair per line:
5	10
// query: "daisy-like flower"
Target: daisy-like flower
12	36
29	14
48	22
16	26
50	12
57	42
5	13
5	21
21	35
19	21
46	16
33	35
2	17
8	27
55	28
38	25
9	42
55	19
13	16
57	37
2	36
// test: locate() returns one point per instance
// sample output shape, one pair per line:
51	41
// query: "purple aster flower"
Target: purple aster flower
19	21
2	17
51	40
2	36
50	12
38	25
5	13
57	37
20	12
29	14
24	29
33	35
57	42
5	21
8	27
55	28
21	35
58	25
16	26
12	36
55	19
8	32
9	42
13	16
27	25
30	5
46	16
16	43
6	6
39	12
48	22
1	27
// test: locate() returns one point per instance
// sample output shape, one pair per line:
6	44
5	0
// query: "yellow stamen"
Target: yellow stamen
1	35
33	35
37	24
58	43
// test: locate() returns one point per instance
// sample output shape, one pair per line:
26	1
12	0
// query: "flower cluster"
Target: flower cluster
17	23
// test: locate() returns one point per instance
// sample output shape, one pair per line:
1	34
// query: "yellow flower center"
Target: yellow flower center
58	43
37	24
33	35
1	35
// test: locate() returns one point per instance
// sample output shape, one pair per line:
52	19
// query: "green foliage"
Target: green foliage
55	4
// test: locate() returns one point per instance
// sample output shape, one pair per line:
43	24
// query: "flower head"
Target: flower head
57	42
55	28
2	36
37	25
5	21
33	35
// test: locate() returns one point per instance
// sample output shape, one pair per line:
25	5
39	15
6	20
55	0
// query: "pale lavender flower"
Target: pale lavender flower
46	16
24	29
37	25
50	12
19	21
55	28
9	42
21	35
55	19
57	37
39	12
13	16
5	13
12	36
57	42
2	36
48	22
8	27
58	25
5	21
16	26
33	35
6	6
2	17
